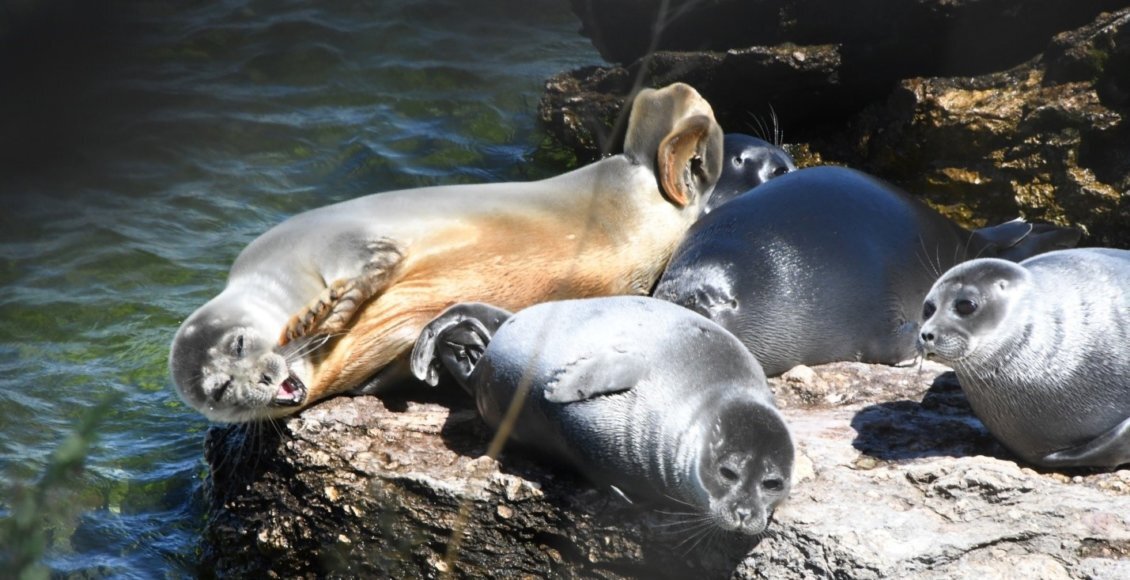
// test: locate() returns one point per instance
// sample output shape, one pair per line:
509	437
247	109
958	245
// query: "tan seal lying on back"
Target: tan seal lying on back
369	273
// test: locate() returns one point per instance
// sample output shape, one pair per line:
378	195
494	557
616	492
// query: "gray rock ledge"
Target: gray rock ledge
895	478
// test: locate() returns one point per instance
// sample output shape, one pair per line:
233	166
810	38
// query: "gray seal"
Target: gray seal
829	264
1042	351
746	163
633	392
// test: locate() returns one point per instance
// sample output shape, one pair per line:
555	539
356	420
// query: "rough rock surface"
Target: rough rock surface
1045	139
895	478
920	38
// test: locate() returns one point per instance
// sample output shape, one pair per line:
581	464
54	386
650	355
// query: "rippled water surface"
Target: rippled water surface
143	144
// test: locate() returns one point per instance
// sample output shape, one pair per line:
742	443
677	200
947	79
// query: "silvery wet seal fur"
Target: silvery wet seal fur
333	299
633	392
1042	351
829	264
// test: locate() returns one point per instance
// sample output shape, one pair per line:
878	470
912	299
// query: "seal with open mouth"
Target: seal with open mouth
333	299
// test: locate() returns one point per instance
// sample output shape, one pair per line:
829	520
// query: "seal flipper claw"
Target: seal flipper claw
333	309
620	494
1110	449
456	340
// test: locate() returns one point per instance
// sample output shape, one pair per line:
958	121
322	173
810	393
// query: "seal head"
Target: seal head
966	307
746	467
747	163
224	365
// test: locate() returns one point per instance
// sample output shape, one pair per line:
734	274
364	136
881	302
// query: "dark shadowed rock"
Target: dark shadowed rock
879	38
895	478
584	108
1045	139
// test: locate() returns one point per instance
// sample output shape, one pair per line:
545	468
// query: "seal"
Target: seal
747	163
332	300
633	392
829	264
1042	351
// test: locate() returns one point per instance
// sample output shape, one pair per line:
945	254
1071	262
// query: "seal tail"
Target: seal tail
456	340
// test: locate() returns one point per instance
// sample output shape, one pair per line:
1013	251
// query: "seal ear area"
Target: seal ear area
455	340
1110	450
689	160
601	373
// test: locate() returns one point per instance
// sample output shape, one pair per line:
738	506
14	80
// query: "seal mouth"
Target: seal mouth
291	393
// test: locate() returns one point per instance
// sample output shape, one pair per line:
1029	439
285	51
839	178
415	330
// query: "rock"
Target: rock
1040	140
922	38
897	479
585	108
1045	139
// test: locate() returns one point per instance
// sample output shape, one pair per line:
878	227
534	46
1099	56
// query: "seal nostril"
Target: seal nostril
928	336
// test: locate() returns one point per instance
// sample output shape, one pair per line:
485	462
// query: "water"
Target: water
144	143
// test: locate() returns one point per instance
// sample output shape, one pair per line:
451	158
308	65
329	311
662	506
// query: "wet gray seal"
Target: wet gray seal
634	392
1042	351
746	163
334	298
829	264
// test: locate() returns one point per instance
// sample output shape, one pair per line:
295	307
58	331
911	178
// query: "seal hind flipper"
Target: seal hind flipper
1018	239
456	340
672	132
333	309
1110	449
596	373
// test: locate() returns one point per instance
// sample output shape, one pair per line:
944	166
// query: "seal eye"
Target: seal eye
928	310
780	171
728	475
237	347
965	307
773	484
738	161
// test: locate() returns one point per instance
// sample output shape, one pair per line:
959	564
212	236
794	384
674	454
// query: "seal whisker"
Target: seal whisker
674	526
762	128
697	512
778	134
697	536
685	518
680	501
924	258
303	348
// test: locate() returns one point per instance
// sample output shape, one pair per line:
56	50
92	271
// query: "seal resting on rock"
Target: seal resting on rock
1042	351
634	392
747	162
829	264
332	299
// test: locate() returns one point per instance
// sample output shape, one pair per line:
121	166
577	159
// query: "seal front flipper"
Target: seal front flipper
332	310
596	373
456	339
1110	449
